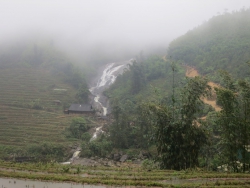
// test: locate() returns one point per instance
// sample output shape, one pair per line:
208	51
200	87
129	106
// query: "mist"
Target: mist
108	30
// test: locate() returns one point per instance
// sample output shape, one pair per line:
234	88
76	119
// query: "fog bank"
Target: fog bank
110	27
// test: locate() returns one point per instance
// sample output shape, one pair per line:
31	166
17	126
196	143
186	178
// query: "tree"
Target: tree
78	126
233	119
245	128
138	77
131	125
83	93
117	134
228	120
178	137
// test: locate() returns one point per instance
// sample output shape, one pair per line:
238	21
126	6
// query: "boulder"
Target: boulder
123	158
116	157
143	155
138	161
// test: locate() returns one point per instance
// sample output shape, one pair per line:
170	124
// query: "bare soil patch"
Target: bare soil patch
192	72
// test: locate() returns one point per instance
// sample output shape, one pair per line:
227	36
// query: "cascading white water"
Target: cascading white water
109	74
108	77
75	156
98	130
96	99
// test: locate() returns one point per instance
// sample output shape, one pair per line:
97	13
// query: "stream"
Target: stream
100	102
74	156
108	77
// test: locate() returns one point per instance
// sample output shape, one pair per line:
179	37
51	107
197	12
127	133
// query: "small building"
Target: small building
80	109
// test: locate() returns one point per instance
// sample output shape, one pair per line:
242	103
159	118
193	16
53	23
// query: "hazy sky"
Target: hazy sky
130	23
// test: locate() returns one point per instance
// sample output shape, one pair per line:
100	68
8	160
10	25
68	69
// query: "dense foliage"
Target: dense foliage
223	42
78	127
143	79
233	120
173	122
147	80
178	137
46	152
175	126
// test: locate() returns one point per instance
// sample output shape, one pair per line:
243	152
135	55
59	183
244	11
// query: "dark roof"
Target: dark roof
80	107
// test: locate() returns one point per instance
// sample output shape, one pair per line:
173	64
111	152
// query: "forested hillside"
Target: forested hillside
223	42
145	80
137	95
155	108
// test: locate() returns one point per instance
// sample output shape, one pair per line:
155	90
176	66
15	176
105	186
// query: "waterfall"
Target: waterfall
109	74
98	130
75	156
108	77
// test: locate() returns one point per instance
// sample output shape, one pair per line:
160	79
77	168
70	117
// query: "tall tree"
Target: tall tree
178	137
245	117
233	119
138	77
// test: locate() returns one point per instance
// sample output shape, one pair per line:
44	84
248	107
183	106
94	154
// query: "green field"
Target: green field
125	175
28	113
20	126
24	87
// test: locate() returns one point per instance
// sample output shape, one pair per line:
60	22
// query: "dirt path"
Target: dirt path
192	72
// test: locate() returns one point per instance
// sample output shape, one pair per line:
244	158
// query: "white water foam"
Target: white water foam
108	77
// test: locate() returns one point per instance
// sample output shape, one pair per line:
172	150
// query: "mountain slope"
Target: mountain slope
221	43
37	83
191	72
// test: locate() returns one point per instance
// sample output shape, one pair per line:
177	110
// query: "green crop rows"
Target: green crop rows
27	111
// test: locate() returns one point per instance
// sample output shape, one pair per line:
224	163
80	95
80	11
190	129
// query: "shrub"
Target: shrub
77	127
99	148
86	136
46	151
150	164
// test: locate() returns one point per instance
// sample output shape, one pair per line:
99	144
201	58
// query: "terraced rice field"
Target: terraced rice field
20	126
22	87
126	175
20	122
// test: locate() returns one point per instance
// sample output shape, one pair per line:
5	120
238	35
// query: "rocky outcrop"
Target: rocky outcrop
94	161
123	158
116	159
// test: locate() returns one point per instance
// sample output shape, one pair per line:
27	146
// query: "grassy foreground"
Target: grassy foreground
127	175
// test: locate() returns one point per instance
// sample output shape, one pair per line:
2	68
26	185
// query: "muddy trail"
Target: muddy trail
192	72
